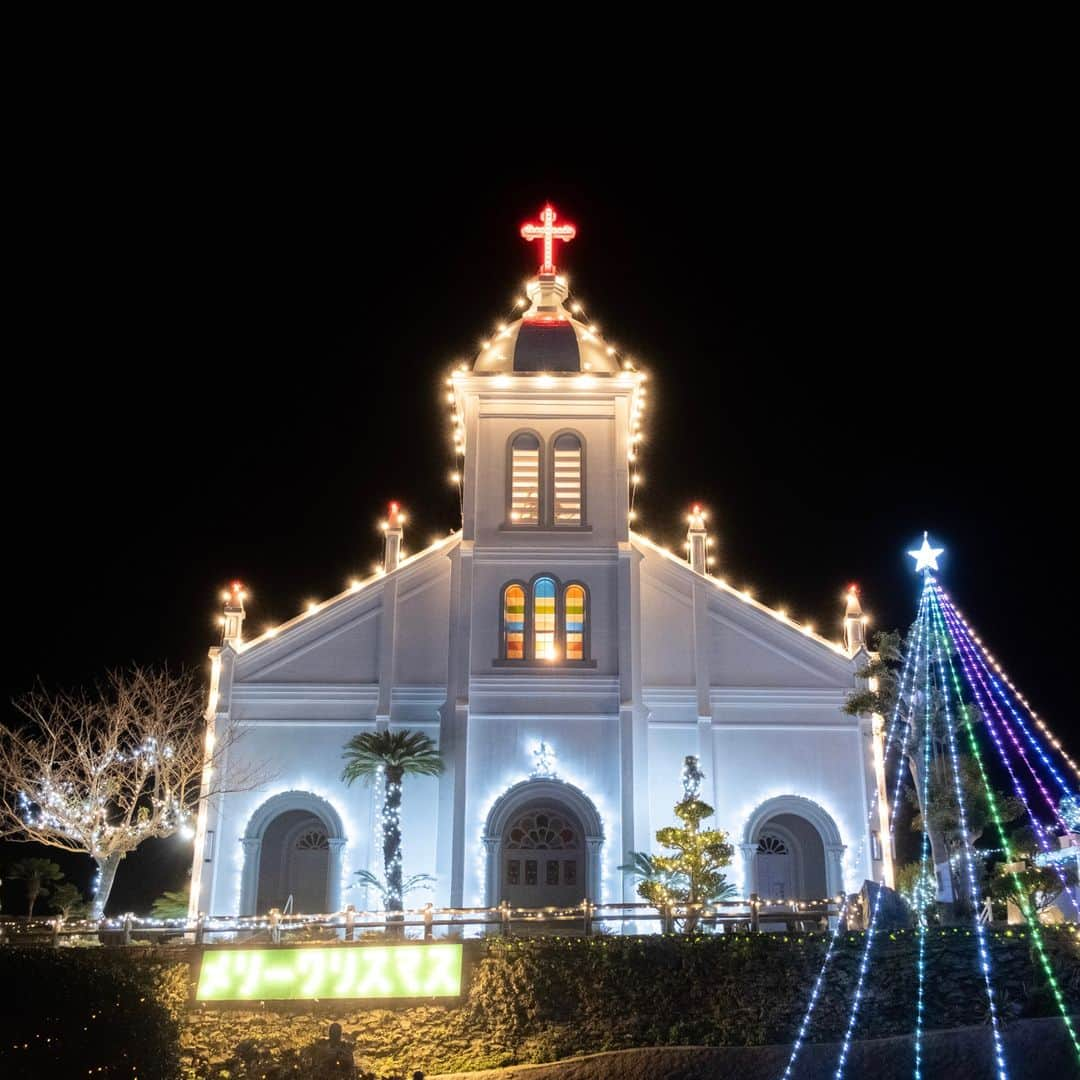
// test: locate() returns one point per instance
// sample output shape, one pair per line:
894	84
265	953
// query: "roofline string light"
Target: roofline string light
549	233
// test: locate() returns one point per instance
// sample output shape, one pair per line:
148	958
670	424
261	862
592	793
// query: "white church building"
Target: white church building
564	664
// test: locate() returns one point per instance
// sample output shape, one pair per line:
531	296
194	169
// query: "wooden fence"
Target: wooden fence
428	923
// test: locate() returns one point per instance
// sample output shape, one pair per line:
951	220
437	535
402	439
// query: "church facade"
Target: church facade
565	666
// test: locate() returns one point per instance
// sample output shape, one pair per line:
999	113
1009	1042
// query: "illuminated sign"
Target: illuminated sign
363	971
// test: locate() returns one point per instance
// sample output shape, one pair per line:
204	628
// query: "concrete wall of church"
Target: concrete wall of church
306	757
669	745
756	762
500	755
423	621
605	497
599	576
301	757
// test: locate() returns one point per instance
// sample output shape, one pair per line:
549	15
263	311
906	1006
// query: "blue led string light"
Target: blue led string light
800	1038
984	660
975	680
1030	916
894	723
864	963
969	860
924	865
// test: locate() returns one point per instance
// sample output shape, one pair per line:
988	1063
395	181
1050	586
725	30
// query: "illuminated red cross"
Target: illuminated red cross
549	232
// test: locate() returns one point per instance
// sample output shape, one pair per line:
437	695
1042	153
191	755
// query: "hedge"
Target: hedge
77	1012
529	1000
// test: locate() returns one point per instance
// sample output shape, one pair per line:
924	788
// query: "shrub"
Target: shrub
71	1012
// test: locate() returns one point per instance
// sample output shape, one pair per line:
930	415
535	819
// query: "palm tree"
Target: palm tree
37	873
395	755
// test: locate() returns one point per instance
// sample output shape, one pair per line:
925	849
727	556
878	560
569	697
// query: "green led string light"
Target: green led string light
924	859
969	858
1030	917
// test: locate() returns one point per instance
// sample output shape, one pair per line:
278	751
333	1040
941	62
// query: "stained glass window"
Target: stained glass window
514	622
525	480
541	830
544	644
575	622
567	478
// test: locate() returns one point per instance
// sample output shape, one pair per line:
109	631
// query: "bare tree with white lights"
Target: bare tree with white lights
101	771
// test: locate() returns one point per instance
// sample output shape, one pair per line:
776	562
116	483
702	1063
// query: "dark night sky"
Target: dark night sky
233	345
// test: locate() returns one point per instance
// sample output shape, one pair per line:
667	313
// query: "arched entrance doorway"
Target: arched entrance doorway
294	862
792	851
543	840
543	857
292	847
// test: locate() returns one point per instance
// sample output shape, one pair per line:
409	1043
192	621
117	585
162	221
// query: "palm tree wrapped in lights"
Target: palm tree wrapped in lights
394	755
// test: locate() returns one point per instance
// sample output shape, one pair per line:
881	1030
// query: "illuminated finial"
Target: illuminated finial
232	622
926	557
543	761
549	232
691	777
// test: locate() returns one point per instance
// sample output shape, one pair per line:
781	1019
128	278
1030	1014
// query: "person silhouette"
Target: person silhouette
336	1057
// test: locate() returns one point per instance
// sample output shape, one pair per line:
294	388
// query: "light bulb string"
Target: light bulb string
981	657
941	634
1030	917
975	680
924	864
894	723
804	1026
868	943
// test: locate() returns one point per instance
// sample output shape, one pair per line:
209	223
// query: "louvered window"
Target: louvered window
567	480
525	480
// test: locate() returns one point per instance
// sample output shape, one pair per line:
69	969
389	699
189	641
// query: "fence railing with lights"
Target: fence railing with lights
428	923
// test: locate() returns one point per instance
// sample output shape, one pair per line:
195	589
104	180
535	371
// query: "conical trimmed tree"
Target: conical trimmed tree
394	754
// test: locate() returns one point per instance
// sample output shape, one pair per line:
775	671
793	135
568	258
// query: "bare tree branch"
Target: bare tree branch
100	772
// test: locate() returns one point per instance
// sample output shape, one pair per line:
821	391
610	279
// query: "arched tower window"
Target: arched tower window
566	480
525	479
545	645
574	607
514	622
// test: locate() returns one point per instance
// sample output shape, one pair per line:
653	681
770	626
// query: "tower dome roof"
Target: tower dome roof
547	337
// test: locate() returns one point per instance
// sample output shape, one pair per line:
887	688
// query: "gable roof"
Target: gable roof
835	648
358	587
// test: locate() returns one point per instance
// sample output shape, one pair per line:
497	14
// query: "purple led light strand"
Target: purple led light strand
924	863
864	963
969	859
984	661
894	722
975	680
1030	916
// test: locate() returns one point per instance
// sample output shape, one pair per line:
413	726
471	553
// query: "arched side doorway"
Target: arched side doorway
293	846
792	850
542	841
